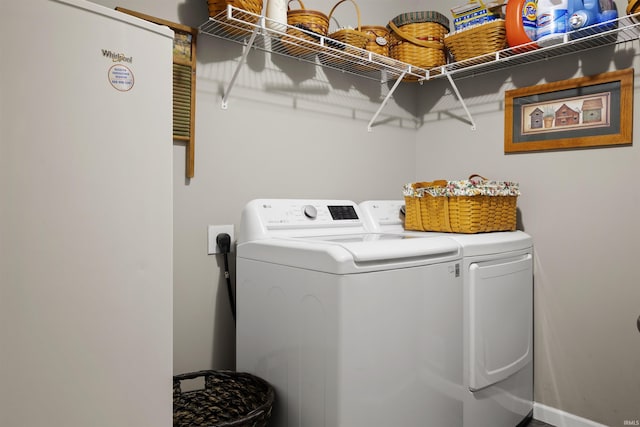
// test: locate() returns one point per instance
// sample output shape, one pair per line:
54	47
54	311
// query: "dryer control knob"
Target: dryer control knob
310	211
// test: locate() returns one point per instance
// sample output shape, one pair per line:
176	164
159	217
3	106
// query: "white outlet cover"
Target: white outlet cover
213	232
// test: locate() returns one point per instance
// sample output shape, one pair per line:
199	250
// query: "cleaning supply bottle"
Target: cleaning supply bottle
520	21
585	13
552	21
277	15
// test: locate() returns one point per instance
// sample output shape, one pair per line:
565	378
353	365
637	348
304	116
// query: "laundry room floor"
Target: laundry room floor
536	423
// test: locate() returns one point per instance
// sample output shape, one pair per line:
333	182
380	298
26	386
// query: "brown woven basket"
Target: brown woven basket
477	42
229	399
347	38
308	25
418	39
254	7
377	43
459	214
377	39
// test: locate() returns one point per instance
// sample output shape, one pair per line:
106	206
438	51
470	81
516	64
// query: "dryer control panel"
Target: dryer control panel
383	215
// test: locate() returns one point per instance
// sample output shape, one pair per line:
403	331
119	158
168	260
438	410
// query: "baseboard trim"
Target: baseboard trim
560	418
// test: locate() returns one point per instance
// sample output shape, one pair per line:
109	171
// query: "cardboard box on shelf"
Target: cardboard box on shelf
476	12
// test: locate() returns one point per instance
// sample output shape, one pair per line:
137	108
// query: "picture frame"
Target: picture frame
591	111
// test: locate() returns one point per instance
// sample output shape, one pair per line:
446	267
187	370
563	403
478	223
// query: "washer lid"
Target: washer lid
368	247
352	253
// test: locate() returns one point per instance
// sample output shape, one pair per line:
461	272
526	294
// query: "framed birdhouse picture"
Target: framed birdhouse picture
583	112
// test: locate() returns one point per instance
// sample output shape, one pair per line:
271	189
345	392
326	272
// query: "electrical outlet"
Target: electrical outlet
214	230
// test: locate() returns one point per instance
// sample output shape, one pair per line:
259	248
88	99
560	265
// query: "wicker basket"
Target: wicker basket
378	44
377	39
346	38
308	25
477	42
417	38
254	7
229	399
482	212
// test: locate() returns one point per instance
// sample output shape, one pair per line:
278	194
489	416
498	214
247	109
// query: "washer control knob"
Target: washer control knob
310	212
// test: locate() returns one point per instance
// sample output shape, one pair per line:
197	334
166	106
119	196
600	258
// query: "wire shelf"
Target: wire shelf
238	25
622	30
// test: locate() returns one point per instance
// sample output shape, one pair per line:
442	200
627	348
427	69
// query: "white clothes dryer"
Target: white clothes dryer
353	329
497	317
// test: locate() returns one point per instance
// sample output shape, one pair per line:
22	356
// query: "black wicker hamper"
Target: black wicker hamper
229	399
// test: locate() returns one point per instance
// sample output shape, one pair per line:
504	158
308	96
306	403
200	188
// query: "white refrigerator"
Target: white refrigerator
85	217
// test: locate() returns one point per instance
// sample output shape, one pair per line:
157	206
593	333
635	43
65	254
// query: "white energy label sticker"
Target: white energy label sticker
121	77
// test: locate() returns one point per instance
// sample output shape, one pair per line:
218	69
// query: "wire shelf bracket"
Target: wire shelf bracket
384	102
461	100
236	25
243	59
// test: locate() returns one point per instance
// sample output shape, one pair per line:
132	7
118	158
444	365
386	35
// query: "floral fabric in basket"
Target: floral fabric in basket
466	187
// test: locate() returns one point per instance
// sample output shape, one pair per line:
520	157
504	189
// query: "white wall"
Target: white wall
579	205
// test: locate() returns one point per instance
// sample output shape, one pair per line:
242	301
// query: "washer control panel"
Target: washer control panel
343	212
307	213
310	211
300	214
262	218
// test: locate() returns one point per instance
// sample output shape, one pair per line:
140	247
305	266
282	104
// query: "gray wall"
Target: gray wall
580	205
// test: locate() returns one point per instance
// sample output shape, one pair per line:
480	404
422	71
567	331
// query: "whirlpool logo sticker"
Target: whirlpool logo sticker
120	76
117	57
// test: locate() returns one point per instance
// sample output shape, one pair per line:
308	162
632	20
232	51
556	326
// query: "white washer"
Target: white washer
353	329
498	317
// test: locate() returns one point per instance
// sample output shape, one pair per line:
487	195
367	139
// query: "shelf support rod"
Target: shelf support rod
225	96
457	92
386	99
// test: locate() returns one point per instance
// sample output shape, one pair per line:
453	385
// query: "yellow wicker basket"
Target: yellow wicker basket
478	213
254	7
346	37
377	43
308	26
377	39
417	38
477	42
